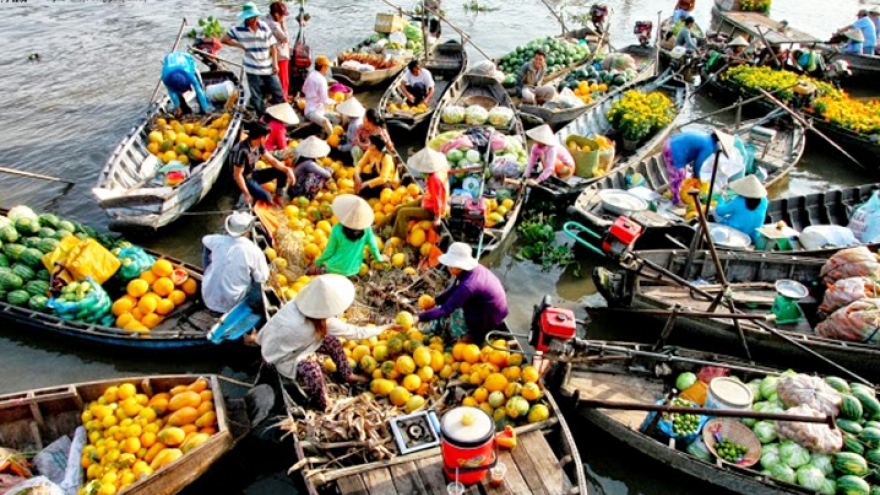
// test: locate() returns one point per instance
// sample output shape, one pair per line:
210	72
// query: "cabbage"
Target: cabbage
755	387
823	462
454	155
453	115
811	477
473	156
768	386
500	116
759	406
829	487
793	454
770	456
5	222
765	431
22	211
750	422
476	115
783	472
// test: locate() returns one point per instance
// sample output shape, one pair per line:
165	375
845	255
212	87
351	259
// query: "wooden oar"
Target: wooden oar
719	413
31	175
176	44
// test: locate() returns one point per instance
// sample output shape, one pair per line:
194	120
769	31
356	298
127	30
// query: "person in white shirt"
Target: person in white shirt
418	84
310	325
317	99
234	265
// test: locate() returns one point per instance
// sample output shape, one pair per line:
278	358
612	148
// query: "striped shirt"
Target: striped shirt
257	58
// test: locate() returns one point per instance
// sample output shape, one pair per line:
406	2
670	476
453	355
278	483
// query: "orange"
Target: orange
470	354
481	394
177	297
137	287
422	357
189	287
151	320
495	382
426	374
531	391
163	286
458	351
122	306
147	305
405	365
411	382
413	190
164	307
123	320
530	374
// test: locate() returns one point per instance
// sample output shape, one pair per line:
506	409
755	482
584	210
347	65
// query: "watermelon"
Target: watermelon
4	261
850	463
850	407
37	287
31	257
852	485
49	220
861	386
18	298
61	234
3	295
38	302
27	226
46	245
875	490
43	274
46	232
872	424
870	437
869	402
873	457
66	225
8	234
30	242
852	444
10	281
14	251
25	272
849	426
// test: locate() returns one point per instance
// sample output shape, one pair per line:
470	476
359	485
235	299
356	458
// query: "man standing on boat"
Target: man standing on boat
179	75
317	98
244	157
260	56
234	266
868	29
418	84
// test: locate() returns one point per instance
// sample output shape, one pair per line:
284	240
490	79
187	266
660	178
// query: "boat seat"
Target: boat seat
762	136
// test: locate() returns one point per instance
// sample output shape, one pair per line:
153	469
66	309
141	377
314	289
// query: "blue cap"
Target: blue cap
177	82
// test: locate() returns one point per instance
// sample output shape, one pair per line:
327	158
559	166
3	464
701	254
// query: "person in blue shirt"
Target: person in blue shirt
686	37
179	74
691	149
745	212
868	32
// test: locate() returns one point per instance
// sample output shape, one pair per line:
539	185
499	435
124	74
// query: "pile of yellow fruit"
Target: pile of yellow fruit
186	143
333	139
586	90
151	297
497	213
406	108
131	434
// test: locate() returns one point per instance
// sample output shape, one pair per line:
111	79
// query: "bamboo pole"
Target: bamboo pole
174	48
31	175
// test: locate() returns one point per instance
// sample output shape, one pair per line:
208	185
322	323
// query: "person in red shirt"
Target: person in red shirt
278	117
435	201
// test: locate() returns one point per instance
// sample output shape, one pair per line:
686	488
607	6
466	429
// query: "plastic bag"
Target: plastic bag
90	309
59	254
453	114
619	62
856	322
865	222
439	141
134	261
729	168
567	99
30	486
483	68
91	259
476	115
815	437
73	475
546	93
823	236
852	262
847	291
801	389
51	462
500	116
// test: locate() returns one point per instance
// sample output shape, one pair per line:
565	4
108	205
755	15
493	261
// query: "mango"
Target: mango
187	398
165	458
207	419
194	441
183	416
172	436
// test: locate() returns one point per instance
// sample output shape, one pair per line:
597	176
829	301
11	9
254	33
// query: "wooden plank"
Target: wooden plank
529	470
431	473
406	478
379	482
351	485
545	459
606	386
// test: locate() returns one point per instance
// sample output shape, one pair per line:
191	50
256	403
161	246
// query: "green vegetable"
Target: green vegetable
783	472
811	477
769	455
13	251
852	485
850	407
829	487
730	451
765	431
793	454
27	226
850	463
18	297
38	303
49	220
8	234
685	380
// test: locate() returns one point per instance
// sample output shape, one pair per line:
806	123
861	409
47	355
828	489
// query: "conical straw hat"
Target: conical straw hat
353	212
542	134
313	147
855	35
738	41
725	142
778	230
351	108
283	112
749	187
325	296
428	161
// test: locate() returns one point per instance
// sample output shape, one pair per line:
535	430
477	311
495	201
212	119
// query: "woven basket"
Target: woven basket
486	102
735	432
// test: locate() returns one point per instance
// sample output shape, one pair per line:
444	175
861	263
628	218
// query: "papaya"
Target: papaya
206	395
194	441
210	430
159	403
183	416
178	389
165	458
172	436
190	428
198	386
184	399
207	419
154	451
205	406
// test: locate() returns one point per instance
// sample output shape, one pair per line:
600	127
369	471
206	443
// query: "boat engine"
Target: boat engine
643	31
551	324
598	14
621	236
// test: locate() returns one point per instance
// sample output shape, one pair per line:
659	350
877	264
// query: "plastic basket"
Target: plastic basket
735	432
486	102
585	163
388	23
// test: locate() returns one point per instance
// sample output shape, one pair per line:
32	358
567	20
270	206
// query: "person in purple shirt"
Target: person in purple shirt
475	290
689	149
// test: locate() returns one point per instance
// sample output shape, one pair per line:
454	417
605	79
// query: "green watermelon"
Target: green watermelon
861	386
851	408
30	242
38	302
872	424
8	234
852	485
37	287
62	233
13	251
66	225
871	437
25	272
3	295
851	444
869	402
46	232
31	257
27	226
10	281
49	220
4	261
43	274
18	298
850	463
47	245
849	426
873	457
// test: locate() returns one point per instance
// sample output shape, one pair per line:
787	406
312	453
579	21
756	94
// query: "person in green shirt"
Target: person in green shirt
345	247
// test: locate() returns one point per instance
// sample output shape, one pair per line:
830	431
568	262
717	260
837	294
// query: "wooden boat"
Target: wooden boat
747	24
752	277
31	420
447	64
595	122
778	156
646	57
123	190
863	67
488	92
358	79
666	27
635	373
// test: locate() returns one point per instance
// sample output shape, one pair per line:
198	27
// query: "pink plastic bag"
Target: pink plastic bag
848	290
857	322
852	262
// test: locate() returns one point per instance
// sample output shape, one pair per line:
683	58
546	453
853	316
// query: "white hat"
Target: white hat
283	112
313	147
325	296
428	161
543	134
725	142
353	212
749	187
855	35
778	230
459	256
738	41
239	223
351	108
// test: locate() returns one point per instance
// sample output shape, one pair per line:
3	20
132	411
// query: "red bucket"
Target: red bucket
469	450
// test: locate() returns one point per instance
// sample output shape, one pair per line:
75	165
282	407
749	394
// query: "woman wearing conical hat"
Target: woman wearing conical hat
548	151
344	253
747	210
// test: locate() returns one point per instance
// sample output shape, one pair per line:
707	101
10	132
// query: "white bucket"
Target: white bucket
727	393
220	92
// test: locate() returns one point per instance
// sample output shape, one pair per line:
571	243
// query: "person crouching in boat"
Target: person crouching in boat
745	212
418	84
278	117
234	266
475	296
529	79
376	170
549	152
308	326
372	125
310	177
246	154
687	151
179	75
735	54
686	37
435	200
344	253
352	119
317	98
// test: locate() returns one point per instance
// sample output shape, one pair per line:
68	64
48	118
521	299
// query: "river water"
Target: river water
99	61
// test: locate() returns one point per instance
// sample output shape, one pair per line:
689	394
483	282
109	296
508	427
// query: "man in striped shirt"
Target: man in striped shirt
260	56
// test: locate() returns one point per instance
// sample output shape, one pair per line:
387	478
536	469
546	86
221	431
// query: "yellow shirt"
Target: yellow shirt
387	171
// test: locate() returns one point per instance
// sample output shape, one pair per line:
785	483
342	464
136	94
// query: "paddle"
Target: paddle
32	175
174	48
